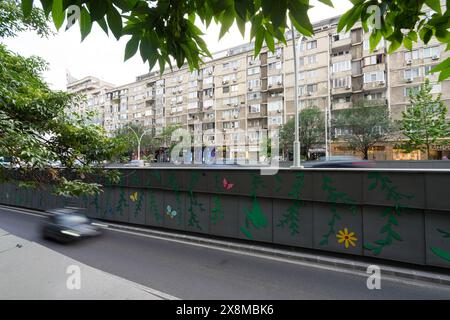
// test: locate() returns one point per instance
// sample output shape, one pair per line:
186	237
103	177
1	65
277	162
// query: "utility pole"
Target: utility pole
297	159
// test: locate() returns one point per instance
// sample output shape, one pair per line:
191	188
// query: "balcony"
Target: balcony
339	44
374	85
342	90
341	105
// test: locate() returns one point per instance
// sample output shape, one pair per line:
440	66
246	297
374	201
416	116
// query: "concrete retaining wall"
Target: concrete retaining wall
397	215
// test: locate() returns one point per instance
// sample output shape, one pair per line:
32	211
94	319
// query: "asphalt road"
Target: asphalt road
192	272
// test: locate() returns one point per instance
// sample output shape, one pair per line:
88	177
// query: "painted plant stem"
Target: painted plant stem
291	217
391	213
335	197
193	202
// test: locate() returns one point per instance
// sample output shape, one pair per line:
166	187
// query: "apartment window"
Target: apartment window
341	66
254	108
253	95
208	103
307	74
208	80
412	73
374	96
231	64
254	83
231	101
342	131
376	59
373	76
427	69
342	99
208	92
431	52
312	59
226	89
341	53
342	82
341	36
193	95
192	105
412	55
436	88
275	105
254	70
231	125
208	71
193	84
277	120
366	45
252	60
311	45
310	88
275	65
159	91
275	80
180	99
411	90
276	53
123	116
234	88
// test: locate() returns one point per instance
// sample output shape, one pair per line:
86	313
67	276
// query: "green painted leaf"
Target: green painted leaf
441	253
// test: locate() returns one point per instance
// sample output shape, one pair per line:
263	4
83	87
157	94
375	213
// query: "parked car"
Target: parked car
68	224
340	162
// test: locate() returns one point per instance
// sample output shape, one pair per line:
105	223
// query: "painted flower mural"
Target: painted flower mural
346	238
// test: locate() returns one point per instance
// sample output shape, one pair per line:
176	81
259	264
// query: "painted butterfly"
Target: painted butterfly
227	185
171	213
134	196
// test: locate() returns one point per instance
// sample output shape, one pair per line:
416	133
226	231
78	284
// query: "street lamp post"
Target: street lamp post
297	151
139	141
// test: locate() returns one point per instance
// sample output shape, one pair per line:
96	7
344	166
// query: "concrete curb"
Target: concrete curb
347	264
320	260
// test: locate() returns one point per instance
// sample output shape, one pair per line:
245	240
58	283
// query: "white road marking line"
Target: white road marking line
258	255
302	263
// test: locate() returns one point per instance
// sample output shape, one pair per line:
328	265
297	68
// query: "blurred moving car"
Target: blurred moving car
340	162
69	224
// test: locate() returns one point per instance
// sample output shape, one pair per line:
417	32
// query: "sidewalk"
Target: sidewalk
31	271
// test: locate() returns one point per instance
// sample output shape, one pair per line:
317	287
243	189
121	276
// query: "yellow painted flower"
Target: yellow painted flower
346	238
134	196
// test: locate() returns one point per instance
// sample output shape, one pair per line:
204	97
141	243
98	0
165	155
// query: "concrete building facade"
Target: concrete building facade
234	98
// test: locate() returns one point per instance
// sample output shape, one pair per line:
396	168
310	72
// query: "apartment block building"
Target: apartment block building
235	98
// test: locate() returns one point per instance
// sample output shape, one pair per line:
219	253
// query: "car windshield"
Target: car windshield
72	220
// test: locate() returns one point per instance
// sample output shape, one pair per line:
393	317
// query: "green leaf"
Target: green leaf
269	41
434	4
102	23
131	47
114	22
27	6
85	23
327	2
298	13
58	13
98	9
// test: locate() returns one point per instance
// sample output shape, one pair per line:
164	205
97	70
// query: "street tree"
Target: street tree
164	31
362	126
312	131
424	122
134	137
13	20
37	131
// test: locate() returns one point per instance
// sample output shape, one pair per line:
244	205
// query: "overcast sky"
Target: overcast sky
102	56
